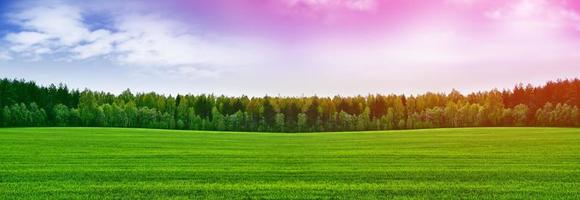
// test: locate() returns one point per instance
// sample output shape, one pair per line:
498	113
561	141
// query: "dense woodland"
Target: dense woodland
24	103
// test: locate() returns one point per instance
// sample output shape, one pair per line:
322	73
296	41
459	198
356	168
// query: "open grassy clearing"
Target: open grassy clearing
100	163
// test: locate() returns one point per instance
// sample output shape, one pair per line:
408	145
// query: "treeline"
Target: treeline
25	103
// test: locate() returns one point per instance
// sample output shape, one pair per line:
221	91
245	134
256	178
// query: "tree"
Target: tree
24	103
378	107
109	115
312	113
452	114
120	117
520	115
218	120
302	122
399	111
147	117
279	122
132	114
183	111
389	119
62	115
575	113
240	121
100	119
88	108
195	121
203	106
7	119
291	112
74	117
268	113
363	120
180	124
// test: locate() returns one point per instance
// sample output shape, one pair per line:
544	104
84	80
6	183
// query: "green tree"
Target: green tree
218	120
268	113
279	122
302	122
313	113
88	108
62	115
132	114
7	117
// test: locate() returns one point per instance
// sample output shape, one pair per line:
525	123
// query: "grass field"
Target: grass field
101	163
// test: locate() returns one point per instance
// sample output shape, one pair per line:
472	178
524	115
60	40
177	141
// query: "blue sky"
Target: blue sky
290	47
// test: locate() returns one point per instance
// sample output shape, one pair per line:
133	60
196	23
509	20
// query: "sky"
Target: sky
290	47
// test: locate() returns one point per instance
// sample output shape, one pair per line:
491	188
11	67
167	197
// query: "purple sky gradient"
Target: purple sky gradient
292	47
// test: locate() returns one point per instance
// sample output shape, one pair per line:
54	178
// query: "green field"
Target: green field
101	163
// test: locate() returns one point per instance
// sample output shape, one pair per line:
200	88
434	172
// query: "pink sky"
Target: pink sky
323	47
386	17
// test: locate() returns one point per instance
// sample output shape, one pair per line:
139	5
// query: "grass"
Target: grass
108	163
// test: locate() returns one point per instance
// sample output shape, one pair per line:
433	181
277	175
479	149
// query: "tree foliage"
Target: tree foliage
24	103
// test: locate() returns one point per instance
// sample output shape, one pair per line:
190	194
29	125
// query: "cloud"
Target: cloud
357	5
62	23
49	30
442	48
134	39
149	40
27	41
100	42
463	2
5	56
536	14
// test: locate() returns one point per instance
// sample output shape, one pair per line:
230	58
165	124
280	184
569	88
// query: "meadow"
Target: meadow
112	163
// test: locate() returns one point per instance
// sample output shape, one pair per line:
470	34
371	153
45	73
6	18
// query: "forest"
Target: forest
27	104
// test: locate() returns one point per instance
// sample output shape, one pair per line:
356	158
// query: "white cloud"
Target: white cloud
47	30
151	40
535	14
26	41
62	23
360	5
134	39
99	43
5	56
441	47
